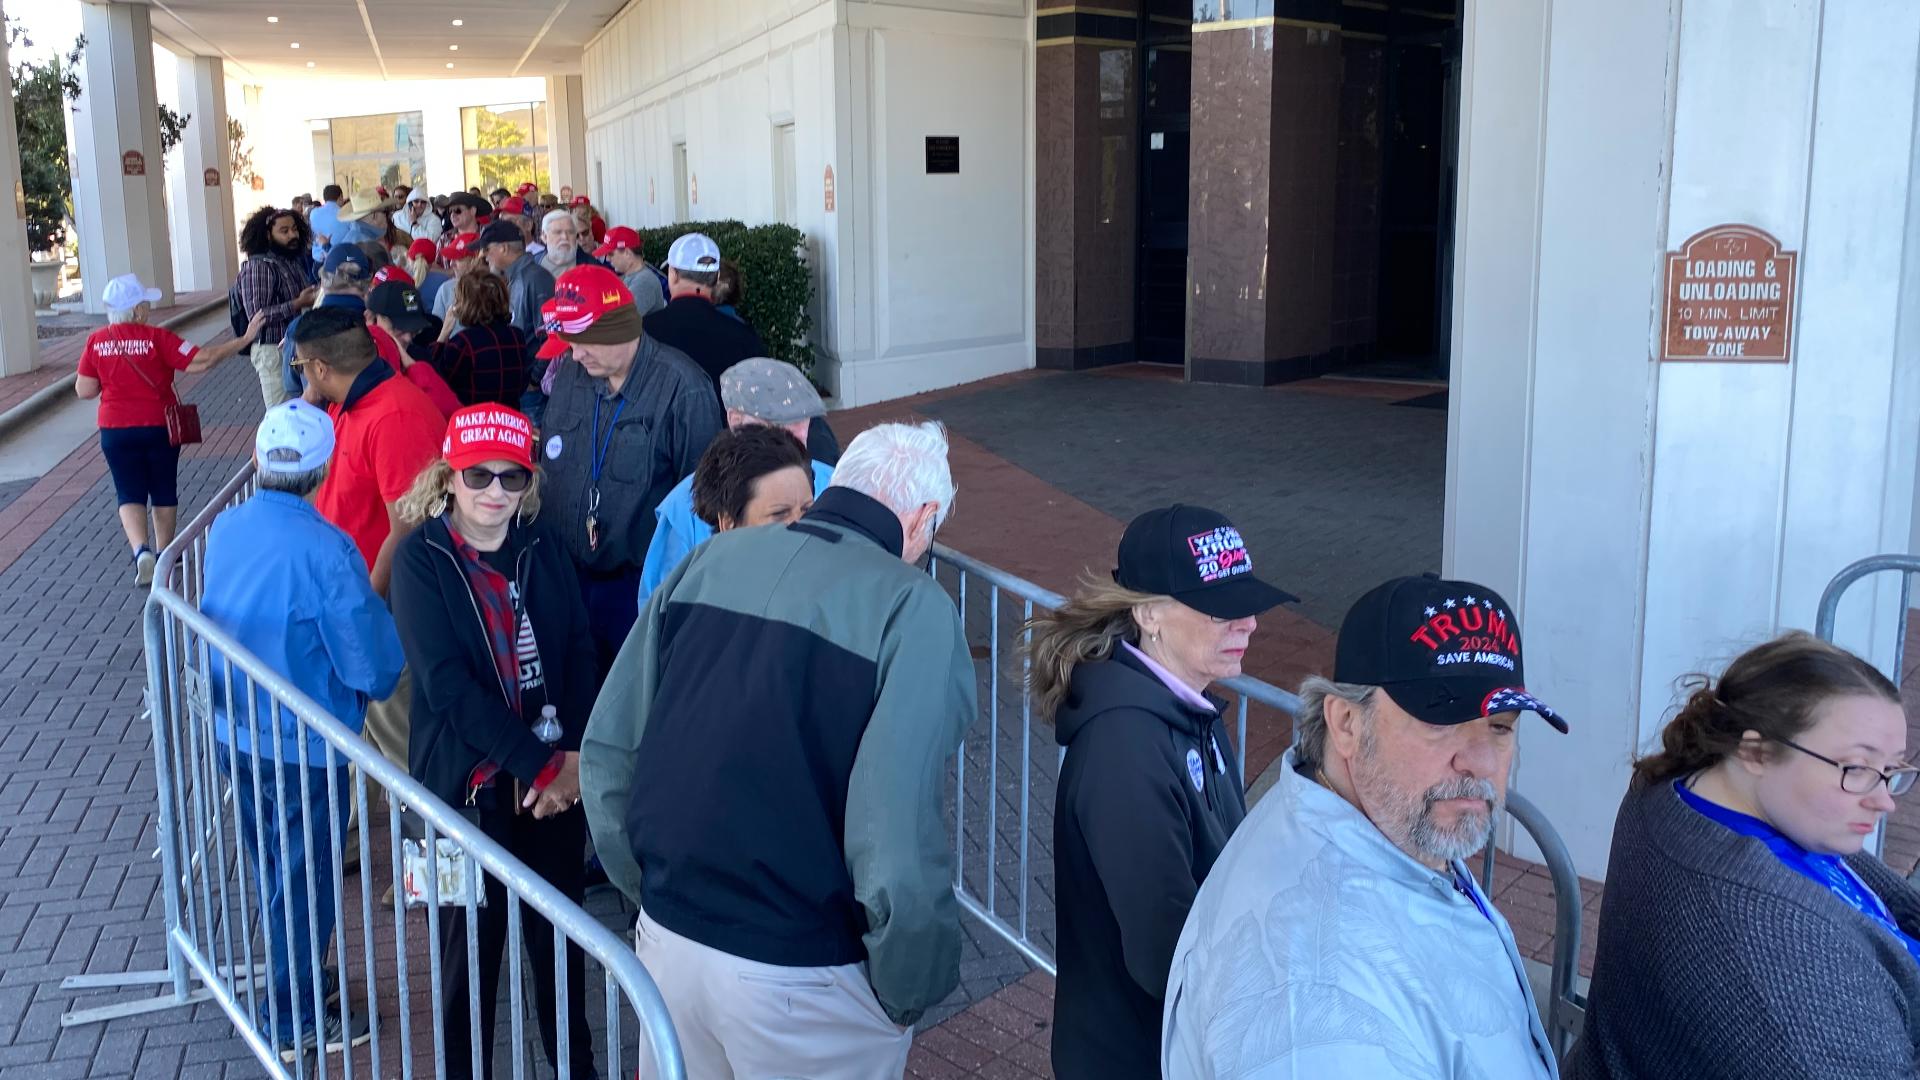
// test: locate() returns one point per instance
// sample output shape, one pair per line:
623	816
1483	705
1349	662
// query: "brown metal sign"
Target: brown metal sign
133	163
1730	298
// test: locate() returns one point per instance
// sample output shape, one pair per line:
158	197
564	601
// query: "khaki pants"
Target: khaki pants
751	1021
388	724
266	364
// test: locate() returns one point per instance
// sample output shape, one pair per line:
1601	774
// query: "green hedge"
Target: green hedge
776	281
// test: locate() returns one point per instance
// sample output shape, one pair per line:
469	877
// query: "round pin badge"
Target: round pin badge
1196	771
553	447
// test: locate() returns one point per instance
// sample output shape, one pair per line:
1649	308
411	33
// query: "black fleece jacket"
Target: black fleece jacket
461	715
1149	794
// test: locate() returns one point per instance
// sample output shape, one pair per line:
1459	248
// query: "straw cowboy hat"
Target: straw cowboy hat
366	202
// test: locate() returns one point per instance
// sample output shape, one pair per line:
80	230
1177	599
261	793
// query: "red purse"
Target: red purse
183	421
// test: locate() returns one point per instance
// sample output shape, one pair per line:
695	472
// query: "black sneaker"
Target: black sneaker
337	1039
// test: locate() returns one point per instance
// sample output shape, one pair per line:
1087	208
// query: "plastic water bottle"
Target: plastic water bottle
548	729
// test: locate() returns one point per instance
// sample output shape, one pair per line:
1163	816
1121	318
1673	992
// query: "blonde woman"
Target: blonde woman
490	617
1149	793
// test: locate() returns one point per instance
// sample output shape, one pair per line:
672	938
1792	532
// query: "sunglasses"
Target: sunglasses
480	478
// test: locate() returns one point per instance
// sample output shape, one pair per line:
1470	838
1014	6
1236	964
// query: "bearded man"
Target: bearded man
561	235
277	279
1340	933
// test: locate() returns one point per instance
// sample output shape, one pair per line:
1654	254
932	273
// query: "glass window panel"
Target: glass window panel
540	123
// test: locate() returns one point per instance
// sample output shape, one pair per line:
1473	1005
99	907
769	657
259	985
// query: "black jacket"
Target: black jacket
461	715
695	327
1149	794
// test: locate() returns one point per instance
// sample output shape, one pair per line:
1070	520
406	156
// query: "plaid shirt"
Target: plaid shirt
270	283
484	364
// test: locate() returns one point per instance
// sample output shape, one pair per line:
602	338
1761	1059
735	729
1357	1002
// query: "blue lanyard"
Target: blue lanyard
599	448
1828	871
1464	883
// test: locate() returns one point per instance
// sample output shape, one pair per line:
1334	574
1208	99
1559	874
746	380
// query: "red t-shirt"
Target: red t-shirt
118	355
380	446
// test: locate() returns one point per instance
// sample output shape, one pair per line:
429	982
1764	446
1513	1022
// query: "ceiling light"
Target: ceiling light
273	18
296	44
309	63
449	63
459	22
453	48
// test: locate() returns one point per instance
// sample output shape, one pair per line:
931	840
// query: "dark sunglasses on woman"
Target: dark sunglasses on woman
480	478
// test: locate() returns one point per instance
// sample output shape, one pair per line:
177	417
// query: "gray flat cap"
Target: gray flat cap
770	390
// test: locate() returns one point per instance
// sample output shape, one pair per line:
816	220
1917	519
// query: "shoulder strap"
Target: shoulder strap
151	385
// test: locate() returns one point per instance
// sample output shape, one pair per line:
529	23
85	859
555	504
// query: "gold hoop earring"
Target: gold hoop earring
440	507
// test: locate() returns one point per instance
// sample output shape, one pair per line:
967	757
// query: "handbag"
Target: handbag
183	421
457	877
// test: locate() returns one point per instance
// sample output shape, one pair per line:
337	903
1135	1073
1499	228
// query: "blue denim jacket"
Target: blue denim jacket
294	590
680	530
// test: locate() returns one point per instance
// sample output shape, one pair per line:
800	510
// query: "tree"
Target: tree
240	154
41	93
509	165
173	127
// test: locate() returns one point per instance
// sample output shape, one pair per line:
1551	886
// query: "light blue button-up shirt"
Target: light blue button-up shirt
680	530
292	588
1318	948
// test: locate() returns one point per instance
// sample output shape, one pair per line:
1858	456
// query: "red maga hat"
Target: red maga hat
619	238
581	298
480	433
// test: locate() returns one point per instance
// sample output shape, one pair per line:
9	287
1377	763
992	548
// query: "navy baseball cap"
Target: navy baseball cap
1197	557
500	232
343	254
1448	652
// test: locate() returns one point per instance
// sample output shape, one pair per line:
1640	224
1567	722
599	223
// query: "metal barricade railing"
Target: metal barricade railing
213	870
1826	623
998	878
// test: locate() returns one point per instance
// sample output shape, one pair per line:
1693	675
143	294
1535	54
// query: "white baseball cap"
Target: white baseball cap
297	426
125	293
696	252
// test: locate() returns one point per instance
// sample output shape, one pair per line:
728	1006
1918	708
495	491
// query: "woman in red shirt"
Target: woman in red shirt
130	366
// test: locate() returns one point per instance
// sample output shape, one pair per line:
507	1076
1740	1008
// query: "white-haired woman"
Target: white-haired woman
1148	792
129	365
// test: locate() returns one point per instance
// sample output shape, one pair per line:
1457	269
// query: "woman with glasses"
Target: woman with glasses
490	616
1744	931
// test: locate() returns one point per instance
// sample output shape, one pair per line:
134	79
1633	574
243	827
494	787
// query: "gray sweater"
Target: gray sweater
1717	960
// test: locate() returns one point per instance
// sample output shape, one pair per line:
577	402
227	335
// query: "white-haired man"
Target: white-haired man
1340	933
799	691
561	234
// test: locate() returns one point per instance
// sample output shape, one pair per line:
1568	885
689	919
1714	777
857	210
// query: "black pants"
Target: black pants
551	847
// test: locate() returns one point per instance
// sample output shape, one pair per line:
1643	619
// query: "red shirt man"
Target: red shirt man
386	430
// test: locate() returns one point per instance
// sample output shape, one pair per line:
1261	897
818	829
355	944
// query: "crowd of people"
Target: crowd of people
558	538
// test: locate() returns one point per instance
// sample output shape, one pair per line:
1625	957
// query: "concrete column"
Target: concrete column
1262	206
567	135
19	344
1087	118
118	186
204	198
1652	519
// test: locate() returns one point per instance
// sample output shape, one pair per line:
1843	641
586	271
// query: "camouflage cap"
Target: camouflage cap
770	390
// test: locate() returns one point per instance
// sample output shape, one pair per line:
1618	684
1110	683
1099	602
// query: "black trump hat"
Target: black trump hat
1197	557
1448	652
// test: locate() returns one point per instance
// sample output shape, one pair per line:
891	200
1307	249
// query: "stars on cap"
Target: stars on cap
1431	613
1450	604
1470	601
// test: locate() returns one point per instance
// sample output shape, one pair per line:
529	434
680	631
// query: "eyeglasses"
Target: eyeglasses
1862	779
480	478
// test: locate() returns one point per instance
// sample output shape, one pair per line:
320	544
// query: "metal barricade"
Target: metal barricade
1004	782
215	854
1827	619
